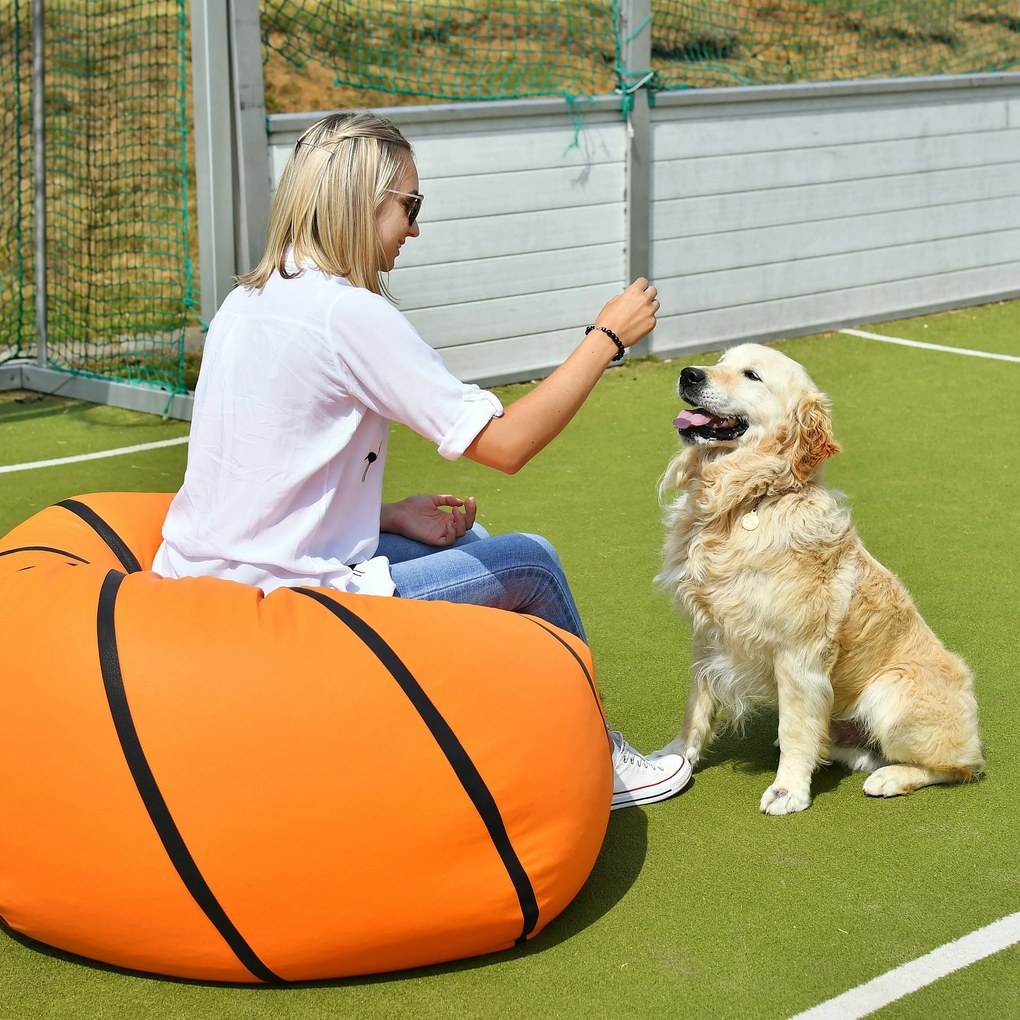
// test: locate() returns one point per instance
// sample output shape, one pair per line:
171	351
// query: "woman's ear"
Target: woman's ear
812	439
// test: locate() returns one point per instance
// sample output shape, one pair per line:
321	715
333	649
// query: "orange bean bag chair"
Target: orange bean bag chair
202	781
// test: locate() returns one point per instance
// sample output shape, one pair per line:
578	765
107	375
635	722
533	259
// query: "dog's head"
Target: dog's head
756	397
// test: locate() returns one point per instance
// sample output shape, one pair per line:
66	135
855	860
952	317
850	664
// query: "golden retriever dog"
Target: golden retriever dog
787	605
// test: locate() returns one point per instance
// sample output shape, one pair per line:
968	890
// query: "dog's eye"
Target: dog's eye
753	376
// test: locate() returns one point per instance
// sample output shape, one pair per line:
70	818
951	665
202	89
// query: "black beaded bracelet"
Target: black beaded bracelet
619	355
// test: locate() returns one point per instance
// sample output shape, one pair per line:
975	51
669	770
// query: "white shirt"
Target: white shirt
298	386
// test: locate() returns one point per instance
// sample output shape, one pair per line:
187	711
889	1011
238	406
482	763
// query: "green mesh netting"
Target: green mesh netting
500	49
118	265
17	314
478	49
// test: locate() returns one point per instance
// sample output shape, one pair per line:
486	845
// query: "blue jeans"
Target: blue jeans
521	573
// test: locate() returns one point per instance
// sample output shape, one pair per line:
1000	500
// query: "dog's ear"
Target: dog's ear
811	440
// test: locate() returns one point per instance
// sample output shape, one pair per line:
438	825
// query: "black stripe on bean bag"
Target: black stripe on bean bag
43	548
577	659
465	770
145	781
117	545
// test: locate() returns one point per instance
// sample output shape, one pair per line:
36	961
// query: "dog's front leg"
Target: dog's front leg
698	725
805	704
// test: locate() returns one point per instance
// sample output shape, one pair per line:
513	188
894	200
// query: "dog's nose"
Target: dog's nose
691	376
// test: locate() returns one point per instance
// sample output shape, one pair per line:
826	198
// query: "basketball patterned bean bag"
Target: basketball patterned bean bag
202	781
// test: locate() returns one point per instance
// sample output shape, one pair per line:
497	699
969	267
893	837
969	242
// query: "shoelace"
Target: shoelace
629	756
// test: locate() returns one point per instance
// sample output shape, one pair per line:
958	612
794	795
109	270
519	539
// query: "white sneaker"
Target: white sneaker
640	780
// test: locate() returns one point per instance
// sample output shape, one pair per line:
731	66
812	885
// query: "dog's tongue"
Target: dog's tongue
691	419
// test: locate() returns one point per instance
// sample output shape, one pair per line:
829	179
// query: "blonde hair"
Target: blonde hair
328	198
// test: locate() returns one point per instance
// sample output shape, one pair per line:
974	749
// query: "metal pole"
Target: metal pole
635	35
39	173
214	184
251	142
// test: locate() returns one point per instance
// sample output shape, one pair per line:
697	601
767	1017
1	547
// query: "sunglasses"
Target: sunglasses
414	207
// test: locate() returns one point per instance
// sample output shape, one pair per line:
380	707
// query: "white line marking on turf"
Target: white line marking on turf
925	970
930	347
140	448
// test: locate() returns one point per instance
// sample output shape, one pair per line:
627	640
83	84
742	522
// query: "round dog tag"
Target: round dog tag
749	522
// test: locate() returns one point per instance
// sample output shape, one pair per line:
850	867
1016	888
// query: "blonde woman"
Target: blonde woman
305	366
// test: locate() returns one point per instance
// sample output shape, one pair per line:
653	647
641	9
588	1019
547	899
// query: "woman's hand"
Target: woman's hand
423	518
631	315
529	424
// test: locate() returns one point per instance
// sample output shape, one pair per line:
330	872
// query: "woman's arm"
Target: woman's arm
528	425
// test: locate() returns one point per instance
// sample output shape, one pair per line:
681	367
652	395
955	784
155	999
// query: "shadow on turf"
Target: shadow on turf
19	405
24	405
754	753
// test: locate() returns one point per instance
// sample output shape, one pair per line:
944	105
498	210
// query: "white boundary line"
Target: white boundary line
925	970
141	447
930	347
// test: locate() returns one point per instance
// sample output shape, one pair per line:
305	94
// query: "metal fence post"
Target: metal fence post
214	182
251	142
231	150
634	31
39	176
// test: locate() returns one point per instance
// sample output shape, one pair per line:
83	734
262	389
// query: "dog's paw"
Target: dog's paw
689	751
778	800
894	781
692	753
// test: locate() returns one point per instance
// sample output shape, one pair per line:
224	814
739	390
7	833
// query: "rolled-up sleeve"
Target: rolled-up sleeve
479	408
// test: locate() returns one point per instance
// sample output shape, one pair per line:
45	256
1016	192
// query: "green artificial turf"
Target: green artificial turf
699	906
36	428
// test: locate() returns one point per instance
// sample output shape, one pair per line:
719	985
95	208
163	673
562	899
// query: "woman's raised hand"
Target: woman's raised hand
631	315
530	423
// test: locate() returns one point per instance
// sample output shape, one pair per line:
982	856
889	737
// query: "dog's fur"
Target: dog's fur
787	605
